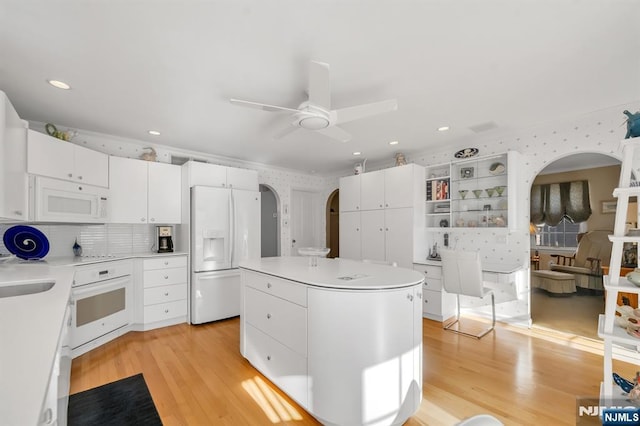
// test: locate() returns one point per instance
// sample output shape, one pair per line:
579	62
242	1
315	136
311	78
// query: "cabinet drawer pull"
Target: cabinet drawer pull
268	285
268	357
268	316
166	311
166	262
70	175
166	293
79	177
142	219
410	297
153	219
166	277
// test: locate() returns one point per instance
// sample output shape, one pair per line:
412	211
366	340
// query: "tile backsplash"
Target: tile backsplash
96	240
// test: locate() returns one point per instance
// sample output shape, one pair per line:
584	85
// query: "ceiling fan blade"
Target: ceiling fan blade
286	131
266	107
319	85
335	132
345	115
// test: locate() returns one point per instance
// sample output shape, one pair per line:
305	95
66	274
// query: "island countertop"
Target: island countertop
336	273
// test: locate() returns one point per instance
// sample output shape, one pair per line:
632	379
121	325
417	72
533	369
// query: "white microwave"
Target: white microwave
56	200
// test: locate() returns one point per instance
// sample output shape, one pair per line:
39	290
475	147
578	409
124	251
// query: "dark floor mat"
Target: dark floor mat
123	402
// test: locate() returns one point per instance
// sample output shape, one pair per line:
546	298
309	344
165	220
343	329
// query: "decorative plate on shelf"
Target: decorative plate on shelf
497	169
26	242
466	153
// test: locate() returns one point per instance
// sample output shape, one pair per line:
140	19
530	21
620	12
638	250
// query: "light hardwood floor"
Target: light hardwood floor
197	376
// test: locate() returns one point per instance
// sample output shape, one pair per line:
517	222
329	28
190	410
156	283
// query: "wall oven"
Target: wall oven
60	201
102	303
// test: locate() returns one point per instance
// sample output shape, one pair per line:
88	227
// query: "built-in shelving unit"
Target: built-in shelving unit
612	334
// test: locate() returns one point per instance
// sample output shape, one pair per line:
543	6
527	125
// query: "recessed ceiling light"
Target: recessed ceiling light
443	128
357	153
154	132
394	143
59	84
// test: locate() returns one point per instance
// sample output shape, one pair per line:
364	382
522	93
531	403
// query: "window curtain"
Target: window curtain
550	203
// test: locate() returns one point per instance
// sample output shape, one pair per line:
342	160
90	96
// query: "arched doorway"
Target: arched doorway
573	313
269	222
333	224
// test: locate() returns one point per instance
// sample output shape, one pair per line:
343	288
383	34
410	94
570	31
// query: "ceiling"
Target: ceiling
172	66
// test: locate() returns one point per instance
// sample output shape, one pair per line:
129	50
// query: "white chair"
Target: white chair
462	275
481	420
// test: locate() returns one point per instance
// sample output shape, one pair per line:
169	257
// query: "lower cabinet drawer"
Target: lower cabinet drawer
281	365
165	293
164	311
167	276
283	320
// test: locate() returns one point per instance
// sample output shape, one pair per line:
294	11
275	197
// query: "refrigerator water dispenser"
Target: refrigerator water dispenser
214	245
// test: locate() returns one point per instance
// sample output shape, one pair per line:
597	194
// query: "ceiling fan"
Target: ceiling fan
316	114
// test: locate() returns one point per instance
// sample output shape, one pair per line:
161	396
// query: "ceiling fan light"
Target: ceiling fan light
314	123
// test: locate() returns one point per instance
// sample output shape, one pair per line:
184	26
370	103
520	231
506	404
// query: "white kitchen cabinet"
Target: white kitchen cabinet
350	235
144	192
400	186
372	190
349	195
206	174
162	293
52	157
437	304
372	235
391	206
14	186
164	193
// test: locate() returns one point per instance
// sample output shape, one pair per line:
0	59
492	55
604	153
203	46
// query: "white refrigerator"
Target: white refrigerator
225	229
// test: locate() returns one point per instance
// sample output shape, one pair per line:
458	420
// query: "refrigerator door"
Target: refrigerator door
215	295
211	228
246	225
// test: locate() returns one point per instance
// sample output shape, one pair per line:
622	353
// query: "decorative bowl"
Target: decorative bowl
313	253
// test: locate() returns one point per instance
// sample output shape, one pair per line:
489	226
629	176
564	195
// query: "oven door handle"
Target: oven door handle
100	287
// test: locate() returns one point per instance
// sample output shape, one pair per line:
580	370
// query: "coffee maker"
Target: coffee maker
165	244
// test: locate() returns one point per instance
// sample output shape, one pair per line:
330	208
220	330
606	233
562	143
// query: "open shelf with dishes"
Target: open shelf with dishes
471	193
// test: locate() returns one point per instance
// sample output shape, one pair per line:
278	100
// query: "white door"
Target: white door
305	219
372	190
350	193
211	224
373	234
399	236
91	167
206	174
128	190
398	186
245	226
165	193
350	244
48	156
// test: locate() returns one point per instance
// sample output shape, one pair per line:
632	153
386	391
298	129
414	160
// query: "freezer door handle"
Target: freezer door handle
232	231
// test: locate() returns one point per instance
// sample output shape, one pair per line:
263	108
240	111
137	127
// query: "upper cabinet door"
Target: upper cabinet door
91	167
206	174
128	190
372	193
48	156
14	188
164	193
350	193
242	179
398	186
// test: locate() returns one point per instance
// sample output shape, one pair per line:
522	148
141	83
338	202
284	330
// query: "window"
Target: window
564	234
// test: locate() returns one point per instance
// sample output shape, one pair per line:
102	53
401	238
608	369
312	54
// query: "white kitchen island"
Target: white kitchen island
343	339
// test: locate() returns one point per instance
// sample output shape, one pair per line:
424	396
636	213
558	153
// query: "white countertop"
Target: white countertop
330	273
30	327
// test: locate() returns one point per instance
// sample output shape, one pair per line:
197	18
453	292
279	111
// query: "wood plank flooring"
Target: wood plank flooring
197	376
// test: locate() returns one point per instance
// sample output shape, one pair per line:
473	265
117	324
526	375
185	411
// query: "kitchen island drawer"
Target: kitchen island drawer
284	367
158	277
165	262
279	287
164	311
284	321
165	293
